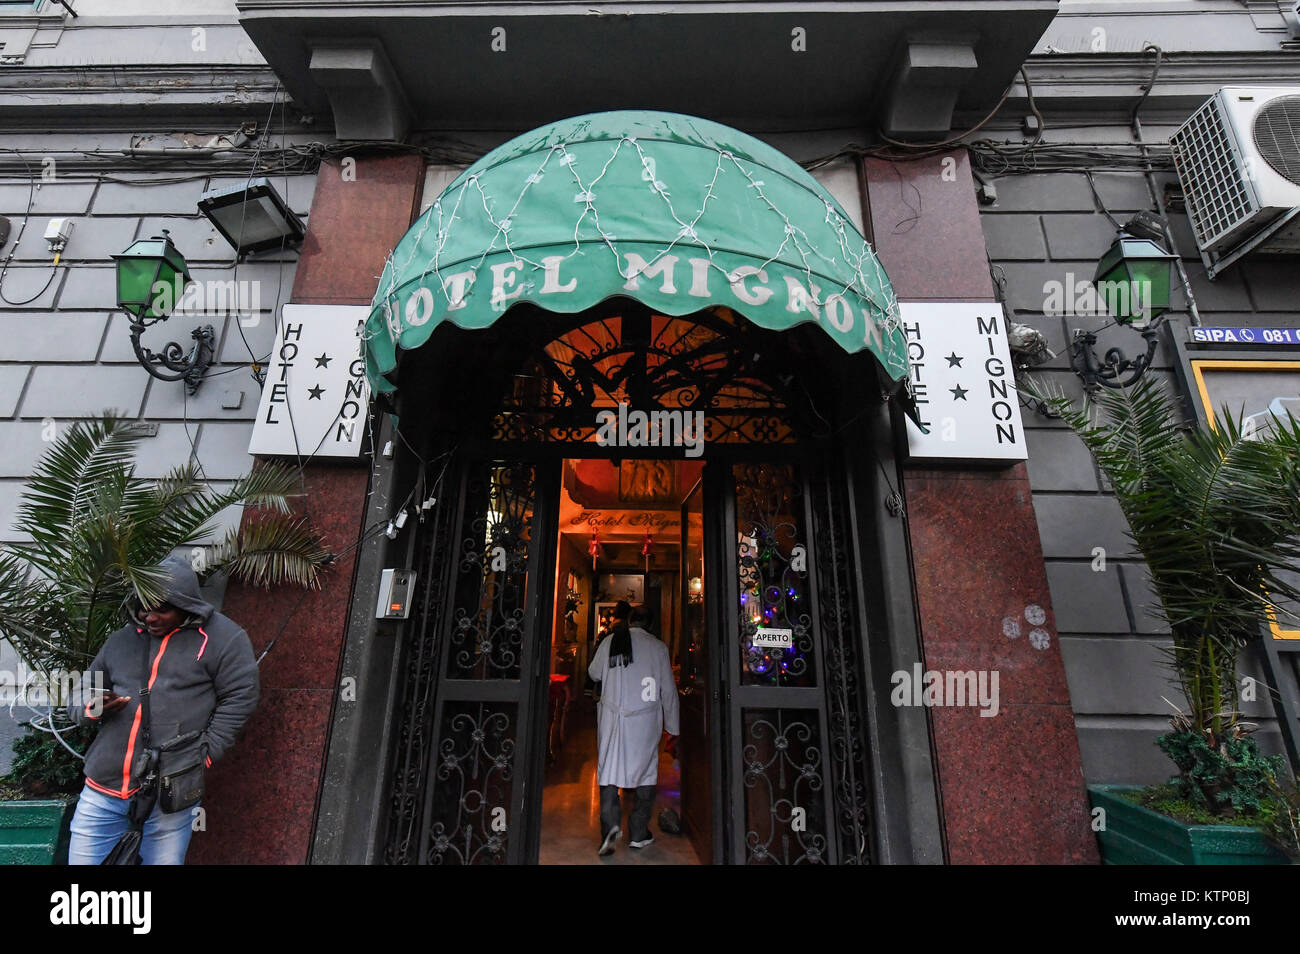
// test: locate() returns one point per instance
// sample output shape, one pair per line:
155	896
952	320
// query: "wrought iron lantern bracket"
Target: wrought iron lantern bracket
151	279
1109	371
172	364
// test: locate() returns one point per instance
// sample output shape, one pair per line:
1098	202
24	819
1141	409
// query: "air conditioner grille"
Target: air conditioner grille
1216	193
1277	136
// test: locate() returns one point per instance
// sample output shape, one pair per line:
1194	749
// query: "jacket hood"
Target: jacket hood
182	588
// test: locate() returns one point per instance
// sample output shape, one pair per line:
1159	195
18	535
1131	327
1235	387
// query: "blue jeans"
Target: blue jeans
100	820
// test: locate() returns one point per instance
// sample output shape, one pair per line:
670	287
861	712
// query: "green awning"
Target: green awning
677	212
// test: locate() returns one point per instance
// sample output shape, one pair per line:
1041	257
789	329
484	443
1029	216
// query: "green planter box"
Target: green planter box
35	833
1138	836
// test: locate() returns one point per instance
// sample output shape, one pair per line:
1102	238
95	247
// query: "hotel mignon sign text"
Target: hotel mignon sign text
965	388
315	397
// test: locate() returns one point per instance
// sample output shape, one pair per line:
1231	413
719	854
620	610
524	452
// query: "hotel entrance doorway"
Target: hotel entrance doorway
628	530
542	522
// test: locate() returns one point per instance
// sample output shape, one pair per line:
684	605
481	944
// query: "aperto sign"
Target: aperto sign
769	637
964	382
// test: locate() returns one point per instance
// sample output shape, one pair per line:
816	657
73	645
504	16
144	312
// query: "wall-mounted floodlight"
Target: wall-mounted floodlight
252	217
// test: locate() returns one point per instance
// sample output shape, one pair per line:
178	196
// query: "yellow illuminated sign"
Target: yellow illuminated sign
1199	367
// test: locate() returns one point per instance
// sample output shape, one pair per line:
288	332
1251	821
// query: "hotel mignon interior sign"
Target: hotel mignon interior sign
961	373
315	396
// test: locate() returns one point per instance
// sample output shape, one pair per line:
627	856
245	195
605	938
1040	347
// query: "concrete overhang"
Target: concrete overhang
903	66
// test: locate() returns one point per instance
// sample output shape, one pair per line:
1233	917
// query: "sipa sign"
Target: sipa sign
315	398
1246	336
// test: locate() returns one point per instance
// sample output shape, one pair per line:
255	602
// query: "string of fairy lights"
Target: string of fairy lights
764	663
855	257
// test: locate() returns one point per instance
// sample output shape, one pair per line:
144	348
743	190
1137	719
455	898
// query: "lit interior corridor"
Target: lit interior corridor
571	805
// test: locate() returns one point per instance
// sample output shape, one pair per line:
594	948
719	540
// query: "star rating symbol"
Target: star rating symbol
958	393
323	361
315	393
954	361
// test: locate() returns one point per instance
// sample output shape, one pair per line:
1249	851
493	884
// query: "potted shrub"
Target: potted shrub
1216	515
97	532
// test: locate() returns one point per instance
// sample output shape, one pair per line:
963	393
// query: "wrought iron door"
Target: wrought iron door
795	753
477	773
698	686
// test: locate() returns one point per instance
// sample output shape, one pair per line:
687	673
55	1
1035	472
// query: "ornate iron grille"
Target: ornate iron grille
741	378
488	618
784	801
414	715
470	821
459	720
844	675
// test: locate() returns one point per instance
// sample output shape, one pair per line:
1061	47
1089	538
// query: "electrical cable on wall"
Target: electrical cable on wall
1156	197
4	269
1098	201
366	535
288	159
243	214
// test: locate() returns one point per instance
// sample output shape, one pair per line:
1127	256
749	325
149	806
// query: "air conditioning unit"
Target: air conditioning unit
1238	159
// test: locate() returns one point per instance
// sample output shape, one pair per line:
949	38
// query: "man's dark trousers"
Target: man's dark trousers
638	819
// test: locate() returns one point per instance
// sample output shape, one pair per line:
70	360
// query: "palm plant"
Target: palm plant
98	532
1216	515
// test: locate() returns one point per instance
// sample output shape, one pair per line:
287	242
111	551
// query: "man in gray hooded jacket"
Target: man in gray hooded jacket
203	686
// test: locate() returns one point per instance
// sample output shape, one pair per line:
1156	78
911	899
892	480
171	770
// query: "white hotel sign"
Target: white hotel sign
315	399
964	382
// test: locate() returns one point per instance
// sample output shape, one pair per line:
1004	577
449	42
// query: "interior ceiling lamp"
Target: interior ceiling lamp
593	548
151	279
252	217
697	589
1133	281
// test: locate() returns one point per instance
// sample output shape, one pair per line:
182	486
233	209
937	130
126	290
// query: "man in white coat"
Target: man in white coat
638	702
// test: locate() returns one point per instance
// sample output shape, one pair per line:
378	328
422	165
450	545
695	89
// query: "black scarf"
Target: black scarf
620	645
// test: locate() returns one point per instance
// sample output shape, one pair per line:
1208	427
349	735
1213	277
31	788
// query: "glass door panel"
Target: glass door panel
776	644
776	748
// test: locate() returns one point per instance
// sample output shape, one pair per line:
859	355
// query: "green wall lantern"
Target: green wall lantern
1133	279
151	275
151	280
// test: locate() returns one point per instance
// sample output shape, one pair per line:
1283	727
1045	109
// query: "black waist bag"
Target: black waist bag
180	770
